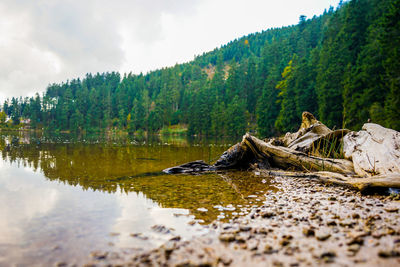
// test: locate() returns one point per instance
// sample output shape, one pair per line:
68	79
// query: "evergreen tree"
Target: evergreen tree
236	117
390	40
267	106
218	119
288	119
15	111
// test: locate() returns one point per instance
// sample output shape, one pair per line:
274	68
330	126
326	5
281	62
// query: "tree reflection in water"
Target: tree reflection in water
135	165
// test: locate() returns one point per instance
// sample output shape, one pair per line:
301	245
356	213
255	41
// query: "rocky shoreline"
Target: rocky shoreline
320	214
305	223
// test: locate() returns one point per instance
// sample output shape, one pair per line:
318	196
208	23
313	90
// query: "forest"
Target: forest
343	66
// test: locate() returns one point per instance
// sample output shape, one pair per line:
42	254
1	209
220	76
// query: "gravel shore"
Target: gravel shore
305	223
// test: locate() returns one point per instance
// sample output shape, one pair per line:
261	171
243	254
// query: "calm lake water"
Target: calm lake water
62	197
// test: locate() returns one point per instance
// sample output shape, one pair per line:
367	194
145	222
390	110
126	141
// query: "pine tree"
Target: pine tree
267	106
218	119
287	119
236	117
390	40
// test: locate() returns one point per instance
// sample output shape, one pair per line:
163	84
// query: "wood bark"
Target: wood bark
358	183
374	150
286	158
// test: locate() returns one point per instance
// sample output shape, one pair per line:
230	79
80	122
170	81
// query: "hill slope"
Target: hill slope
342	66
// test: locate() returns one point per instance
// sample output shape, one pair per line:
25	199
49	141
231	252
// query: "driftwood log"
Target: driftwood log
374	150
354	182
286	158
303	155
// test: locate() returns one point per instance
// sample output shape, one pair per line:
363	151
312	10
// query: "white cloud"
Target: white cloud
46	41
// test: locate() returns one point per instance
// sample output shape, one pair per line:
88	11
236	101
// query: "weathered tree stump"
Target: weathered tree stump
374	150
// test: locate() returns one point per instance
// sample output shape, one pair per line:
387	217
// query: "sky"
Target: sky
50	41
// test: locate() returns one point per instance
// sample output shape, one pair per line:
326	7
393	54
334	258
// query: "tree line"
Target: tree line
341	66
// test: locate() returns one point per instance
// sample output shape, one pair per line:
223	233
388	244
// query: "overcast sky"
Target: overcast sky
47	41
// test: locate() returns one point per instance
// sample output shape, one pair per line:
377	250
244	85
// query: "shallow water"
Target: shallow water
63	197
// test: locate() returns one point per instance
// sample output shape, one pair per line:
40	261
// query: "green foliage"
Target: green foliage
218	119
236	117
377	113
390	40
287	119
343	67
3	117
332	148
174	130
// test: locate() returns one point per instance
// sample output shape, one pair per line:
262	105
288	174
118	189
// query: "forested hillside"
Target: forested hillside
342	66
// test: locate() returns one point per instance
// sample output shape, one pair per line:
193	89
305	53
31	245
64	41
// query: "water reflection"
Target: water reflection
100	166
26	197
62	199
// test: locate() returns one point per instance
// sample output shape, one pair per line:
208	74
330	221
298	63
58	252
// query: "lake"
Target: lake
63	197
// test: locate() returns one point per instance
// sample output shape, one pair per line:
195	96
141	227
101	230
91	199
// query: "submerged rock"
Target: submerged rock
190	167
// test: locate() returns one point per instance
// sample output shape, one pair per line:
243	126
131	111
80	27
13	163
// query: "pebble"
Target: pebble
252	244
356	240
99	255
175	238
224	259
263	230
331	223
114	234
323	236
268	249
392	209
227	237
161	229
245	228
267	214
328	257
169	246
388	253
308	232
354	248
202	209
241	239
